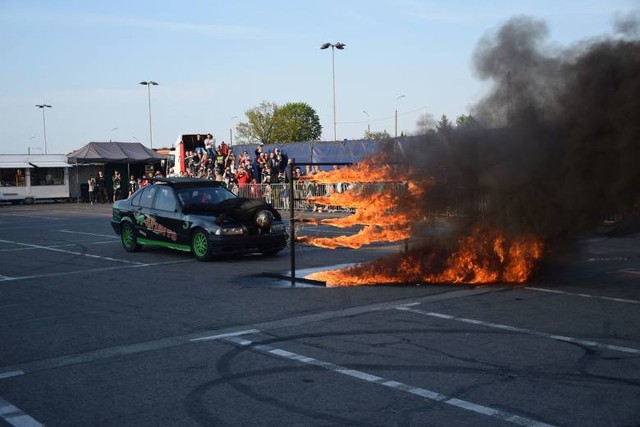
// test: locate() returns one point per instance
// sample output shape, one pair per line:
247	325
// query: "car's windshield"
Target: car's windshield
203	196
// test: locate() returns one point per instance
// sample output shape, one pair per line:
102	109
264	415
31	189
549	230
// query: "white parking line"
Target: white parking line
61	246
364	376
89	234
50	248
15	416
10	374
629	271
521	330
23	215
73	359
554	291
227	335
88	270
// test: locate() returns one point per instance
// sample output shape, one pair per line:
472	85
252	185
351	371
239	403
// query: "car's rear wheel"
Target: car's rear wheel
128	237
200	245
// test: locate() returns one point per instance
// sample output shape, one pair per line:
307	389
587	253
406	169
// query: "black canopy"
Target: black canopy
114	152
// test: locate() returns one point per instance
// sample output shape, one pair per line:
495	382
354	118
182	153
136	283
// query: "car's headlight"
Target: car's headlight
229	231
278	226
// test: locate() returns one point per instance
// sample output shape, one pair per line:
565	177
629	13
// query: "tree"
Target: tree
461	120
260	124
377	135
268	123
425	124
296	122
444	125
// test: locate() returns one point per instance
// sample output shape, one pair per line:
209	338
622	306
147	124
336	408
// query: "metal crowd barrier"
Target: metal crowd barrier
278	195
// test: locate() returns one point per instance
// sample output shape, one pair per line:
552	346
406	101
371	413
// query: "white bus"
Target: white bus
25	178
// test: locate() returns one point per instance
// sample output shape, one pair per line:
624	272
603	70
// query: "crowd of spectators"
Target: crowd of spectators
218	162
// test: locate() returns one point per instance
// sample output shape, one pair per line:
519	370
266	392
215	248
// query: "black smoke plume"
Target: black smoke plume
554	147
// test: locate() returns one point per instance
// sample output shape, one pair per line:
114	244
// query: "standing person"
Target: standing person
117	185
209	145
133	185
101	188
198	145
92	188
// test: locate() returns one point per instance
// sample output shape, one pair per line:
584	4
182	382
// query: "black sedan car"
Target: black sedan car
199	216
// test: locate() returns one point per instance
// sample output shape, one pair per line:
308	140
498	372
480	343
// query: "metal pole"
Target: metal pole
150	129
44	124
292	230
44	129
396	132
333	69
396	114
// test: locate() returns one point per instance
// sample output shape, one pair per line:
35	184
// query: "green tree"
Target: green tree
461	120
268	123
377	135
444	125
260	124
296	122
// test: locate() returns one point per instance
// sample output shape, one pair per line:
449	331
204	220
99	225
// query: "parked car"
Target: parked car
200	216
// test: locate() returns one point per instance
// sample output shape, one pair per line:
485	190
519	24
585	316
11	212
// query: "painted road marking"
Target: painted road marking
88	270
396	385
521	330
15	416
53	249
629	271
89	234
10	374
61	246
554	291
105	353
227	335
22	215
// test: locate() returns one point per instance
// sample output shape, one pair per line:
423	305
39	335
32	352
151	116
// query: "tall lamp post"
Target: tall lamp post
148	85
401	96
333	46
44	124
231	131
368	124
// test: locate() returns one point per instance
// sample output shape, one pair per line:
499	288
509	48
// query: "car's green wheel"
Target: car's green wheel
200	245
128	237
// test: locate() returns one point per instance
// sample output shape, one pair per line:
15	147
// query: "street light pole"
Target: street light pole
231	131
148	85
333	46
368	124
44	124
396	126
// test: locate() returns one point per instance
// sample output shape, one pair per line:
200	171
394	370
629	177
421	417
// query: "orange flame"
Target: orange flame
478	259
388	212
375	206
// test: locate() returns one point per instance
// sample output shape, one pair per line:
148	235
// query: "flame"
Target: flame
481	258
375	206
387	212
376	168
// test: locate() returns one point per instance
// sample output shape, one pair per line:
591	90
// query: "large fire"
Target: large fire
387	212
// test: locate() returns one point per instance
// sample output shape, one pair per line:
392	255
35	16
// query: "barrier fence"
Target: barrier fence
278	195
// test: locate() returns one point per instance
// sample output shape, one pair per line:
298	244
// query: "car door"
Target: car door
143	213
168	218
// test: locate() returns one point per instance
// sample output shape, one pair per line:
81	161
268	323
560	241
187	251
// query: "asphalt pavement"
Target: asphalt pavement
91	335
